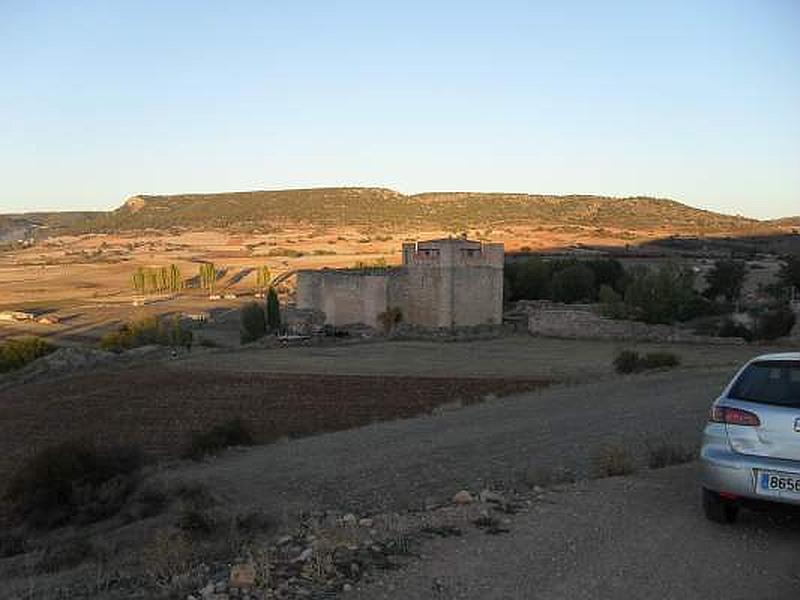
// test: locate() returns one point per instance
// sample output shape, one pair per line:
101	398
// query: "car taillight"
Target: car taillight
733	416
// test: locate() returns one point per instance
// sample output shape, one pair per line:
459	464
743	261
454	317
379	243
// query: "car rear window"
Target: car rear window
769	382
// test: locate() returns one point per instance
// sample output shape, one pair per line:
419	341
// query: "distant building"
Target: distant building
441	284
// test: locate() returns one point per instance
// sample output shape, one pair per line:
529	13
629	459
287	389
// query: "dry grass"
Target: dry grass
665	454
614	460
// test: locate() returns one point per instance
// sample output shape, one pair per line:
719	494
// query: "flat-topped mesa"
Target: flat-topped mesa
442	283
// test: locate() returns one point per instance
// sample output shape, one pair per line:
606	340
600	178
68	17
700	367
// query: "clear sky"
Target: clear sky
694	100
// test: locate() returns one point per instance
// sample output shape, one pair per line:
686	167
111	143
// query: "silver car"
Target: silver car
751	444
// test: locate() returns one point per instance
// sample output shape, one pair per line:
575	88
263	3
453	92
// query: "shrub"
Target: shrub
146	331
666	454
629	361
613	461
626	361
253	323
74	481
544	476
15	353
731	328
611	304
774	323
232	433
390	318
659	360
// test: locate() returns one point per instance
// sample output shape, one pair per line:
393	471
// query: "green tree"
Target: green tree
725	279
138	280
151	280
664	295
529	279
208	276
573	284
273	310
611	304
163	279
253	323
175	279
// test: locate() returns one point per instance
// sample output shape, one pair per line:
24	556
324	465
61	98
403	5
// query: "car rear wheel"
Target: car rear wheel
718	509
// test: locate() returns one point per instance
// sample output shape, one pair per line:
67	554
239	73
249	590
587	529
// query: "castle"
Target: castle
442	283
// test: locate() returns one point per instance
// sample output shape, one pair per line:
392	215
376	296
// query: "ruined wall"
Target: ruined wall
580	321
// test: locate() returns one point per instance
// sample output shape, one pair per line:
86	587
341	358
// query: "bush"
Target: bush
731	328
613	461
74	481
629	361
232	433
774	323
390	318
15	353
147	331
611	304
659	360
253	323
626	361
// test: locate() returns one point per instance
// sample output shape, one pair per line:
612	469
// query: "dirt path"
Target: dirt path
403	464
634	537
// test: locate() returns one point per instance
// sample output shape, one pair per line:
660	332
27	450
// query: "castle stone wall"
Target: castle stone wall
442	284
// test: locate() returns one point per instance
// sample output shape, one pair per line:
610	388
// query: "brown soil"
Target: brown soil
159	407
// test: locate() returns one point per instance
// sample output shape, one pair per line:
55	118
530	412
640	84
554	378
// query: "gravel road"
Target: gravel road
633	537
403	464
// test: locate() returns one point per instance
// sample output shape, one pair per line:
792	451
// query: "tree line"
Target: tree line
149	280
666	294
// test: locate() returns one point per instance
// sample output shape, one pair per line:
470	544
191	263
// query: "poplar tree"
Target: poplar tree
263	277
273	310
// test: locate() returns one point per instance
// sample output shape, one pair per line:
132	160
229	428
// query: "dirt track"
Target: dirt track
635	537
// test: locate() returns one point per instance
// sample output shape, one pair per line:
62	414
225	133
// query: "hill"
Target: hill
379	208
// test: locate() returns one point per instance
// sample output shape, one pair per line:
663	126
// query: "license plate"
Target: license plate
778	485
